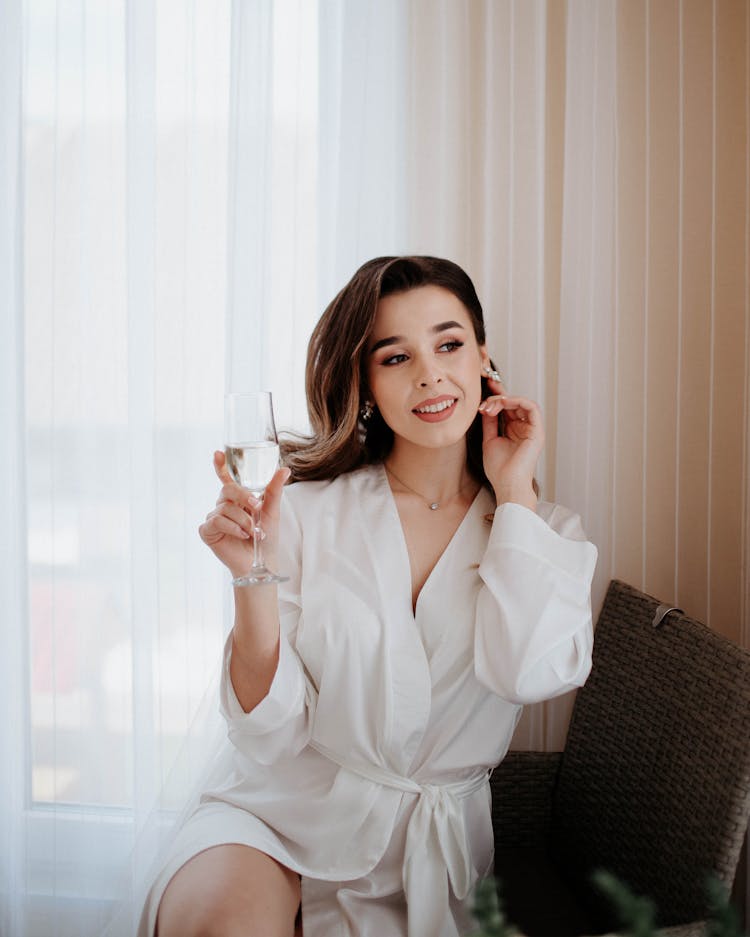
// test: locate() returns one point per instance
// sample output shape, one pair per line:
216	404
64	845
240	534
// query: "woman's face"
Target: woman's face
424	366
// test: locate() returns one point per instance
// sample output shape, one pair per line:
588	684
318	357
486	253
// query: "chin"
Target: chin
436	437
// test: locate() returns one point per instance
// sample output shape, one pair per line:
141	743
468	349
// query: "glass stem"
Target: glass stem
257	539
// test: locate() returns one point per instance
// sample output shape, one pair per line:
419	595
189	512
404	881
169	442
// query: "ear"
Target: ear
484	356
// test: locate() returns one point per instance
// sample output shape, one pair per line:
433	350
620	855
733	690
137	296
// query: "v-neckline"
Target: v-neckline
413	608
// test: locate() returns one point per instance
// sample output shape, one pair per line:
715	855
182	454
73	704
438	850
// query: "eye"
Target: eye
451	345
394	359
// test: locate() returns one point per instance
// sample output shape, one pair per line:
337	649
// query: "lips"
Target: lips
434	404
435	409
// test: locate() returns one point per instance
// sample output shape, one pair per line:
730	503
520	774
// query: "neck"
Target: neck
436	474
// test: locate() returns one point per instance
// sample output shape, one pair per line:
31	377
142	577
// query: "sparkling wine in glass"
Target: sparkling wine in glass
252	452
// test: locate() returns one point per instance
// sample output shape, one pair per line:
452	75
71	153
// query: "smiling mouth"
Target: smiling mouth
436	407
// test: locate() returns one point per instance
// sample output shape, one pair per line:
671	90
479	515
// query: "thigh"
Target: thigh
228	890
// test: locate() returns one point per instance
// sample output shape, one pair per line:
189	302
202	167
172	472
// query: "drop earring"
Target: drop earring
492	374
368	408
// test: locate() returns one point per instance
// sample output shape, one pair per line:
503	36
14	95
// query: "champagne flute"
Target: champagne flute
252	453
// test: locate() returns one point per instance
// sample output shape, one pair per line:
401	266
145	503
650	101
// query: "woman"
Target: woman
430	596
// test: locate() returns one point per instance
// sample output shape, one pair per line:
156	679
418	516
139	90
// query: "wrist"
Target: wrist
515	493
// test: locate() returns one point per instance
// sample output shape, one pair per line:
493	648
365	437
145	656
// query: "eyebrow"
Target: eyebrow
396	339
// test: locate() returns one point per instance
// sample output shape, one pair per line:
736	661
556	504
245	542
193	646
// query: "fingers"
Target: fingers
491	406
218	525
523	410
272	496
517	408
233	493
521	417
230	490
221	469
234	512
490	426
236	494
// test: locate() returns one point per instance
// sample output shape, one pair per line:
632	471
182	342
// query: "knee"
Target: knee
204	918
183	916
219	920
206	899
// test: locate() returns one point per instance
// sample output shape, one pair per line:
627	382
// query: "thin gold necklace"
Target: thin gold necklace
432	505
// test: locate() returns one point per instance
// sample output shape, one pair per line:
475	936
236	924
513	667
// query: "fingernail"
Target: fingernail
482	405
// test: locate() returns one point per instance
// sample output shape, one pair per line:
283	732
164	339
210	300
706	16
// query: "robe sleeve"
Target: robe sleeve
279	725
533	633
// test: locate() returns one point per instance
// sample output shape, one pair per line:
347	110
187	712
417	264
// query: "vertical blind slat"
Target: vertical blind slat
662	240
728	345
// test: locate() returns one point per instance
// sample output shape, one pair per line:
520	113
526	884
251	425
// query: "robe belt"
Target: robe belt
437	849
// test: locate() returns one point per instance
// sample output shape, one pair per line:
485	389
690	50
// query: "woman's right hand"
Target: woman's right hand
228	529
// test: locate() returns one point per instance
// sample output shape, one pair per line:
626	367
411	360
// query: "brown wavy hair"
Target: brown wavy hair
336	376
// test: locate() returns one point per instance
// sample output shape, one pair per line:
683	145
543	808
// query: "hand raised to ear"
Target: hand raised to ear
510	460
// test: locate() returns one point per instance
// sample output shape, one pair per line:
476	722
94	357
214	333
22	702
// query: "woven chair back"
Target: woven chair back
654	783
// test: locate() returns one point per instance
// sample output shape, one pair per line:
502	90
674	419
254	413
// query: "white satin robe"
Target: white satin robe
365	768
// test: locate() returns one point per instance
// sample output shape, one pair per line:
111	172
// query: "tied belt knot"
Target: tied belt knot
437	850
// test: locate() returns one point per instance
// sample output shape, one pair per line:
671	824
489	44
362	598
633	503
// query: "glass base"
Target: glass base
259	576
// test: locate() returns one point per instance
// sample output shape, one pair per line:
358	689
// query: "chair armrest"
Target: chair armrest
522	788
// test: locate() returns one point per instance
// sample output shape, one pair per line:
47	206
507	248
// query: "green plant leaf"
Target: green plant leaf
635	913
488	911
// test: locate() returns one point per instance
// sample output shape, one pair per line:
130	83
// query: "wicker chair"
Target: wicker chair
653	785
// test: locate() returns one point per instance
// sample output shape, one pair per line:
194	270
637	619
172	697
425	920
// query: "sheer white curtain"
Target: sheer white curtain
114	129
184	186
316	172
12	487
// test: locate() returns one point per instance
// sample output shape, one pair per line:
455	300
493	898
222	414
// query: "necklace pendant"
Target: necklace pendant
435	505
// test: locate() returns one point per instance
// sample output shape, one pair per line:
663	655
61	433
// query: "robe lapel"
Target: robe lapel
407	673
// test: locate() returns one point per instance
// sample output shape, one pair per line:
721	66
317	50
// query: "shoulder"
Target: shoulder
310	497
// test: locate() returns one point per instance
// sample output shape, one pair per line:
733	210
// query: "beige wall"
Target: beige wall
680	479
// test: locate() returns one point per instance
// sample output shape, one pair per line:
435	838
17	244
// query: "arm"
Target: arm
533	633
264	693
227	530
279	723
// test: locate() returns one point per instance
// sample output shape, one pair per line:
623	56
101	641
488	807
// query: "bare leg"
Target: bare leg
230	891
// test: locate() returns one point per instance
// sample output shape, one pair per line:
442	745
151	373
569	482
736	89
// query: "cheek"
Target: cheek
380	389
373	383
475	398
473	384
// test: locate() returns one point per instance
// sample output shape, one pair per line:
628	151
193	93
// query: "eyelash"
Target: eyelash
451	344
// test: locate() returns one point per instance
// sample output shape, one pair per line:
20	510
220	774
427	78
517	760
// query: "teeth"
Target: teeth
435	407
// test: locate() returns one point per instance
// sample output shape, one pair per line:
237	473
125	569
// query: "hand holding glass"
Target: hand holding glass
252	452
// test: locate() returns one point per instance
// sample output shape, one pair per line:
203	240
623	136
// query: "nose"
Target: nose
429	374
426	369
434	379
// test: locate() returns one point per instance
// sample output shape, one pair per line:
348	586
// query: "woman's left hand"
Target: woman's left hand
510	460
